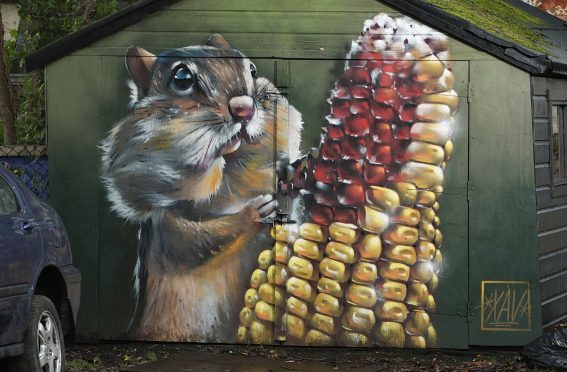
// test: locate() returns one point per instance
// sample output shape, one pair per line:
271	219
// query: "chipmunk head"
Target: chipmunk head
196	112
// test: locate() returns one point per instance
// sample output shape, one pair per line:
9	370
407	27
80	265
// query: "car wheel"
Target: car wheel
44	348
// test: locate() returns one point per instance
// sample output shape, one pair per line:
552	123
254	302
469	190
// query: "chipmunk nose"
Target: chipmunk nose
242	107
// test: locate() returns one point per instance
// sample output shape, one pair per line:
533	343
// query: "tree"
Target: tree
7	114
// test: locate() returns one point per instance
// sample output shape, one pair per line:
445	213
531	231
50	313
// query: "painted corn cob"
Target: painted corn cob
362	268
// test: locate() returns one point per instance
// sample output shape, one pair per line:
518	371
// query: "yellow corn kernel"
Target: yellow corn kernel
373	220
424	176
425	198
448	149
431	306
436	222
297	307
369	247
307	248
400	234
265	259
265	311
416	342
431	336
302	268
258	278
433	283
429	68
406	191
450	99
317	338
261	332
352	339
390	334
394	271
281	274
382	198
271	274
390	290
438	239
435	207
417	294
392	311
285	233
438	190
246	317
251	298
400	253
282	252
435	133
295	326
324	323
272	294
358	319
426	231
361	295
335	270
343	232
437	261
417	323
427	214
364	273
424	152
424	250
328	305
422	272
301	289
331	287
340	252
406	216
242	335
313	232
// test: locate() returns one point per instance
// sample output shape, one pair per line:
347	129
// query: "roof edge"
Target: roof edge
516	55
93	32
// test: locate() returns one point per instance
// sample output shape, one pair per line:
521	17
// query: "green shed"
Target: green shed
416	149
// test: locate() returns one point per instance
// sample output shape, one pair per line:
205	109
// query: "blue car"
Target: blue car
39	286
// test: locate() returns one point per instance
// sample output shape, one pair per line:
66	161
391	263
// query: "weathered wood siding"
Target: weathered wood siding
551	205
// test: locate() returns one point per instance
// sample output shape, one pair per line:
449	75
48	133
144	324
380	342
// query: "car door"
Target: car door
20	253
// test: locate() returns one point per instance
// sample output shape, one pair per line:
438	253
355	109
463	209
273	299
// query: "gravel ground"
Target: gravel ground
115	357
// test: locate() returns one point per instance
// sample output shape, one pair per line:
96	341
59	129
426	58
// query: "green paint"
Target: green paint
499	18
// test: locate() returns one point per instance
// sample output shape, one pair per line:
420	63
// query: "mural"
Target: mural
557	8
193	164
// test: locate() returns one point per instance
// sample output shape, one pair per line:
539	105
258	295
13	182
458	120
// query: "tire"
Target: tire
44	348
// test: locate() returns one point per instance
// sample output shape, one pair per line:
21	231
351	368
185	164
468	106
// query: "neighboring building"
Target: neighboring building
494	245
557	8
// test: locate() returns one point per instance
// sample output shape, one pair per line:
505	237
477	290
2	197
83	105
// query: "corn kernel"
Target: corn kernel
361	295
406	191
424	176
302	268
317	338
390	290
424	152
265	311
358	319
295	326
282	252
417	294
390	334
364	273
301	289
261	332
406	216
392	311
343	232
246	317
400	253
394	271
313	232
369	247
328	305
324	323
251	298
258	278
307	248
297	307
265	259
340	252
400	234
331	287
372	220
383	198
424	250
335	270
416	342
352	339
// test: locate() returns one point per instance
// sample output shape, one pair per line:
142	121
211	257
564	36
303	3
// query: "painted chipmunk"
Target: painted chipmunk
193	164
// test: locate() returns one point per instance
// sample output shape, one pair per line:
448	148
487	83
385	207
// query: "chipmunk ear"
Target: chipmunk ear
140	64
218	41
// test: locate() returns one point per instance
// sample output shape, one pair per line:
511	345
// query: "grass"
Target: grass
499	18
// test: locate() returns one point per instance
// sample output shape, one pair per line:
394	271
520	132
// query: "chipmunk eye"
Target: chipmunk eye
183	78
253	70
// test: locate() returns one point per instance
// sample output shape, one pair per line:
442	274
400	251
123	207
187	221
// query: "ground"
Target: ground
193	357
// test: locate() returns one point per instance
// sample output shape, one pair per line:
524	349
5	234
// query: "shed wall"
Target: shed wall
551	204
300	46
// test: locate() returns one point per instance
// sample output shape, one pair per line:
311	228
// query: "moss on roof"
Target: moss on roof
498	18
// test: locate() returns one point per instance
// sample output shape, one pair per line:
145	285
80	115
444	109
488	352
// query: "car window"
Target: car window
8	200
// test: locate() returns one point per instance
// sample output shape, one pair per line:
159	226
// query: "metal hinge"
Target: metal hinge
279	219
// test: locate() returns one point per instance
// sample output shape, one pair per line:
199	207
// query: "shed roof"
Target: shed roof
511	30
